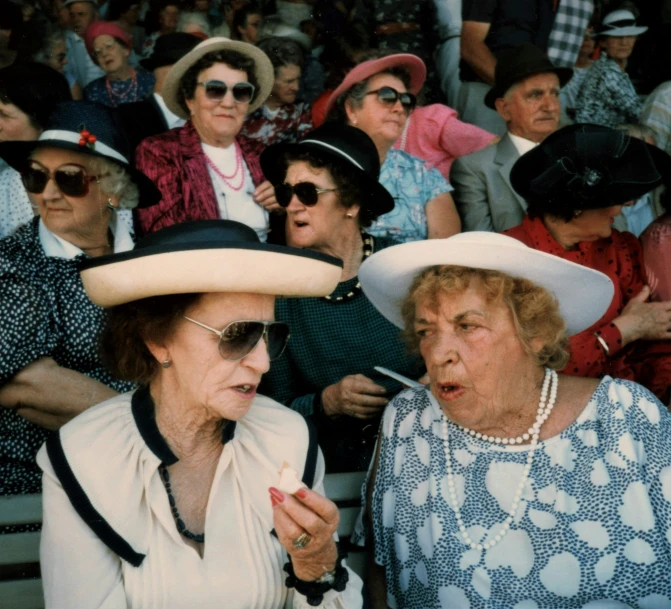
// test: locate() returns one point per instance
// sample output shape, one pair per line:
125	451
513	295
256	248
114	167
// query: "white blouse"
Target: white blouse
15	207
114	450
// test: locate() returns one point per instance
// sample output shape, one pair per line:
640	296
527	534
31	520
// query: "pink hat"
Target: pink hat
365	70
100	28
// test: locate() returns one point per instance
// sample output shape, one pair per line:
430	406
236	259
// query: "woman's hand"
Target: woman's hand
311	513
643	320
264	195
355	396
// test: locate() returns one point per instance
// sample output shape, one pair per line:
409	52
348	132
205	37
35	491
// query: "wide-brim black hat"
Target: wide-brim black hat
169	49
588	166
207	256
515	65
344	144
90	129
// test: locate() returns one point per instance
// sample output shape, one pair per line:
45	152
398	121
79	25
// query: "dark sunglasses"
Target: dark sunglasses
307	193
239	338
215	90
389	96
71	179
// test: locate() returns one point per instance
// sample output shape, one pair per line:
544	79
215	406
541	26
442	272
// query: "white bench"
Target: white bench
20	592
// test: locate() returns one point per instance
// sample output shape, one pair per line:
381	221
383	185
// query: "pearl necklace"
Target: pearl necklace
367	251
238	166
542	415
122	96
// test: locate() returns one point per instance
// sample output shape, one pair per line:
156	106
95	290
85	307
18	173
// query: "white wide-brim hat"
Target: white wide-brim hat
264	71
583	293
207	256
620	23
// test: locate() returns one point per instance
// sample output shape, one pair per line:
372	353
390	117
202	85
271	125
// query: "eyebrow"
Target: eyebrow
459	317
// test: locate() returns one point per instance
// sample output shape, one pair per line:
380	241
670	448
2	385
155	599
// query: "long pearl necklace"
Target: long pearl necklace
238	168
542	414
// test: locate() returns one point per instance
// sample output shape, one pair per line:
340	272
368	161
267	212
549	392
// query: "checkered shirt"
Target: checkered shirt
568	31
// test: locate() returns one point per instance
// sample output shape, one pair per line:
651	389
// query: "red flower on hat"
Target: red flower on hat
86	138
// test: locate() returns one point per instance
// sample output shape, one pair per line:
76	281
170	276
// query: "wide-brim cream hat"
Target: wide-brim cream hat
207	256
265	74
621	22
583	293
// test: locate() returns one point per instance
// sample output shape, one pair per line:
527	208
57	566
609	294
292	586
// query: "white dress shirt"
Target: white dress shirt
173	121
522	144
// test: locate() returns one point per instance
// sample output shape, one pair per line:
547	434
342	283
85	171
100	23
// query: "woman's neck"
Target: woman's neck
349	248
584	61
622	64
210	138
562	232
383	147
125	72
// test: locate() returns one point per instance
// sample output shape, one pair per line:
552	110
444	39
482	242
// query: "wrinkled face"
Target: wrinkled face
531	109
224	389
15	124
58	58
82	14
110	55
287	83
315	227
619	47
218	119
384	123
594	224
75	219
250	32
471	351
168	18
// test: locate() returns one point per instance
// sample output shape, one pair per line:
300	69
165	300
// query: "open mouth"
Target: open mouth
300	224
247	390
450	391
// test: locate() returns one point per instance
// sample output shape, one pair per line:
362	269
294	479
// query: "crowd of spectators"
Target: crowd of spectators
450	140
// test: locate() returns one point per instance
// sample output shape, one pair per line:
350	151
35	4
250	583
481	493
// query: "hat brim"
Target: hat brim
583	293
380	200
415	66
210	266
15	155
564	75
265	74
630	30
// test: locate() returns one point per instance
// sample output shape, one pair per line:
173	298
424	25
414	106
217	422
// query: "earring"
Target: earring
577	213
166	363
349	215
110	205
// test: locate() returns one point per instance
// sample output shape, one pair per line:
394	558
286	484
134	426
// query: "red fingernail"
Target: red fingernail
301	494
273	501
278	495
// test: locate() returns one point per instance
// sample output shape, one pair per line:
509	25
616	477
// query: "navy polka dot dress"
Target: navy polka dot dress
44	312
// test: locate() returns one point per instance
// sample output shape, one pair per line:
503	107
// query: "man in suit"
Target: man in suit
526	96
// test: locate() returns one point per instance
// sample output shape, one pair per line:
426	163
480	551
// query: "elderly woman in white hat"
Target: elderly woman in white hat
607	96
206	170
504	483
193	491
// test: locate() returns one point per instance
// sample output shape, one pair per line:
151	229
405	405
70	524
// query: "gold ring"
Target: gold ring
301	541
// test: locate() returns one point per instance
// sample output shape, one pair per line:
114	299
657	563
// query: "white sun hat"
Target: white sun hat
583	293
620	23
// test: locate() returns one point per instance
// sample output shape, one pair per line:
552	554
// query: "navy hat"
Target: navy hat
518	64
588	167
91	129
345	144
169	49
207	256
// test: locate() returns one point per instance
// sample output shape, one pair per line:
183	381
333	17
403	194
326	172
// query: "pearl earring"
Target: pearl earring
349	215
110	205
166	363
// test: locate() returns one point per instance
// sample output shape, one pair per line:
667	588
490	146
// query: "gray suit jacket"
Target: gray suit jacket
483	193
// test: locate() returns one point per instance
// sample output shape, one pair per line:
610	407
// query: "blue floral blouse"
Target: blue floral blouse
413	184
126	93
593	529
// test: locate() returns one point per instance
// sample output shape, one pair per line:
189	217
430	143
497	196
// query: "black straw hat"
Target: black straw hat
588	167
344	144
91	129
169	49
207	256
515	65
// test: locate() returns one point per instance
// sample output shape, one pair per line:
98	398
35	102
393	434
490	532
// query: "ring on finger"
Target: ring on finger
302	541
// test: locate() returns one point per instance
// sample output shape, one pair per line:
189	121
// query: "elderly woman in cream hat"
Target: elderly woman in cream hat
206	169
503	483
193	491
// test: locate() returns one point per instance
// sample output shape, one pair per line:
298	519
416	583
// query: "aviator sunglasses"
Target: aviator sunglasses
71	179
389	96
239	338
215	90
307	193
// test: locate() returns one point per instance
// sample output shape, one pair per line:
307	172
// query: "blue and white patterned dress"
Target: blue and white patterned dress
593	530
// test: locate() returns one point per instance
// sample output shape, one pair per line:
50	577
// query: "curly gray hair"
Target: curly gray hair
116	182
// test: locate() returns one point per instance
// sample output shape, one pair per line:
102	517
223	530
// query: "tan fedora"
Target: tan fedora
265	74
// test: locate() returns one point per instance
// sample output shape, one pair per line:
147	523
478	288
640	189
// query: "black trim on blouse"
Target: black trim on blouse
84	507
311	458
142	406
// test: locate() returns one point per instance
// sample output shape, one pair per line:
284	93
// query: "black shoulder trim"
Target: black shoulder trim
144	414
83	506
311	458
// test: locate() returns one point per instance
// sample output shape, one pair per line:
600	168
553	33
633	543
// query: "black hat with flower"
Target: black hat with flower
88	128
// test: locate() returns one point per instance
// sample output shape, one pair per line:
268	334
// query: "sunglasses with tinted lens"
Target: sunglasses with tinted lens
239	338
389	96
307	193
215	90
72	180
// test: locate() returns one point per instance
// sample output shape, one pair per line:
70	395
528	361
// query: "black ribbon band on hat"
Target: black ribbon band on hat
615	25
563	176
